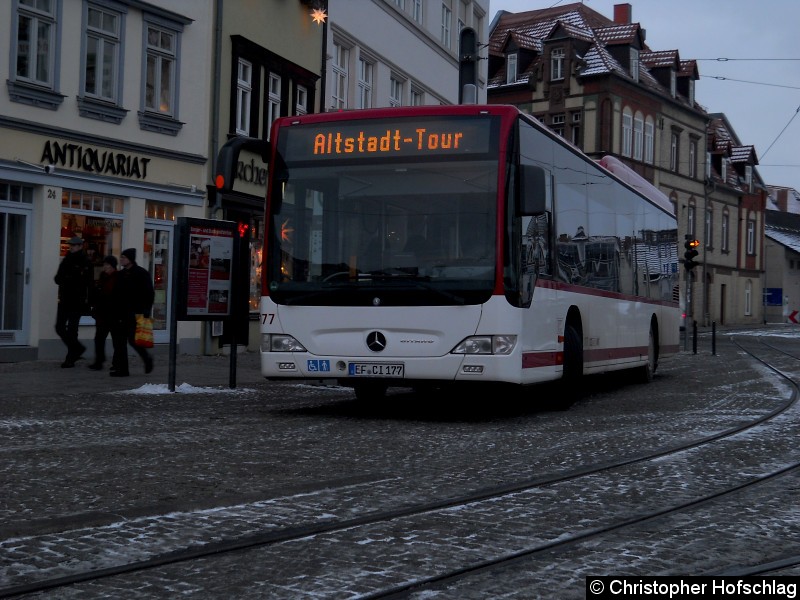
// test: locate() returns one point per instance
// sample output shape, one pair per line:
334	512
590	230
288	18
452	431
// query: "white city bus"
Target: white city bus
436	245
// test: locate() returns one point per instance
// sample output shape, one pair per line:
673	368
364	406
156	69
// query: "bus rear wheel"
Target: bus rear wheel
647	371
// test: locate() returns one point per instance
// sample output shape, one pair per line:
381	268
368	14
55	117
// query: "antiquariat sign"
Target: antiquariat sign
92	160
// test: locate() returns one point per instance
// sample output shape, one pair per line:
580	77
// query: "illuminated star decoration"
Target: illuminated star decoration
318	16
286	231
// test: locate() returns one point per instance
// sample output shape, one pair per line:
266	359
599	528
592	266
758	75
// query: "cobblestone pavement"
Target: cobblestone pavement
101	470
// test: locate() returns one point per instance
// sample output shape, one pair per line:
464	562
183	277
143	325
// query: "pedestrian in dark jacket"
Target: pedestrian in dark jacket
102	300
75	277
133	295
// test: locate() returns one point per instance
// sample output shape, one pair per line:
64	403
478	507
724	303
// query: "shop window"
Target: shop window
95	218
162	212
256	247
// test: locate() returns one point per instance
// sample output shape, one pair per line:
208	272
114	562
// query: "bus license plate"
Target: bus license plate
375	370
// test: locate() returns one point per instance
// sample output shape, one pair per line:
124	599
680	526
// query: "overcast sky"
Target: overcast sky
760	92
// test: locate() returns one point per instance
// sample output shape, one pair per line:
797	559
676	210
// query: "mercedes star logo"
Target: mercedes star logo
376	341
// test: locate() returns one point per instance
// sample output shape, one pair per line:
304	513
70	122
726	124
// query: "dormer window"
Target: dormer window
691	91
511	68
748	178
673	83
557	56
635	64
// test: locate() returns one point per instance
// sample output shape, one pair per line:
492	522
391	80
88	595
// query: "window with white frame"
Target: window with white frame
447	19
634	58
35	47
160	53
690	219
273	98
417	97
693	159
751	236
673	152
627	132
557	56
724	168
576	128
725	230
691	91
244	93
649	140
748	298
341	56
511	68
708	240
416	11
102	51
673	83
301	103
395	91
364	83
557	124
748	178
638	136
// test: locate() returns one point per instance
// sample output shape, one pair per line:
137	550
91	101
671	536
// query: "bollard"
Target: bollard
713	338
694	337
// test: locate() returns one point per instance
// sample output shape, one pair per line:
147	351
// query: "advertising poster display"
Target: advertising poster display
207	255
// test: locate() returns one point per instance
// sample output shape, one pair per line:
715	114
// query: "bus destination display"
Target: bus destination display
380	139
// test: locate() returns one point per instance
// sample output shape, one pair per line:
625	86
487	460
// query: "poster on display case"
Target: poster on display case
206	255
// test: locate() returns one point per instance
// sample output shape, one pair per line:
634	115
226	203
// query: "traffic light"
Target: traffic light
691	253
228	159
467	65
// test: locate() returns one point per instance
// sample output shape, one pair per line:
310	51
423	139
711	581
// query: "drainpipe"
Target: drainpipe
324	60
215	101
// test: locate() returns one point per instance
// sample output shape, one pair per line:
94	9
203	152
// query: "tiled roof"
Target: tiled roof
582	23
689	69
745	154
661	58
783	228
617	34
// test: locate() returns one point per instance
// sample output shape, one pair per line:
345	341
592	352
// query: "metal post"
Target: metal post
714	338
694	336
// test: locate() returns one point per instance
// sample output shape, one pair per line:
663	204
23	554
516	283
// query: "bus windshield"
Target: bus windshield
414	229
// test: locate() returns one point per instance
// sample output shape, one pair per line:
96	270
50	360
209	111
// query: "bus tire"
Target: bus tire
369	391
647	371
572	377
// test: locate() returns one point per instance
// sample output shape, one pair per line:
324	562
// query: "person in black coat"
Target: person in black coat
102	300
75	277
133	295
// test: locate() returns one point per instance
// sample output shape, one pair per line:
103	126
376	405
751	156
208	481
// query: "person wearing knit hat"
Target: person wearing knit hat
74	277
133	295
102	301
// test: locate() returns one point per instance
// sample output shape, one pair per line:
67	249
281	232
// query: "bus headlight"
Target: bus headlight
486	344
277	342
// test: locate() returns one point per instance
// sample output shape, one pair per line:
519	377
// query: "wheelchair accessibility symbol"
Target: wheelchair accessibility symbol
319	366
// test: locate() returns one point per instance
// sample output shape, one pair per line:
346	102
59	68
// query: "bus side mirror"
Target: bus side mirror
532	191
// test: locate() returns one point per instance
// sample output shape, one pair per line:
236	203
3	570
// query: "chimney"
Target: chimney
623	14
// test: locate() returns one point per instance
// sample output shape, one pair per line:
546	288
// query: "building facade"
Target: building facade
114	111
595	81
104	123
399	52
